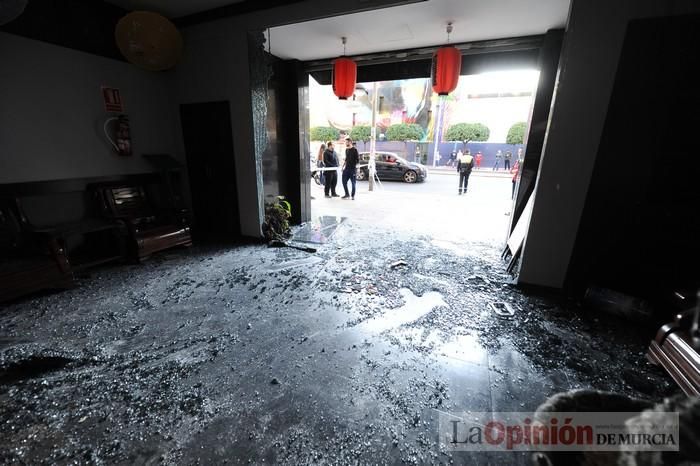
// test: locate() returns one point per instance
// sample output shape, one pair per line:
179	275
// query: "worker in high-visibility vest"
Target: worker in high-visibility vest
465	163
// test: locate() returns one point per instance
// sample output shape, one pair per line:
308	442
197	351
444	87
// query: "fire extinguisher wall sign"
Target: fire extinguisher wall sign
112	99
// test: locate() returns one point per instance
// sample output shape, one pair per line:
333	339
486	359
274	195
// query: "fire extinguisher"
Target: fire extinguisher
122	140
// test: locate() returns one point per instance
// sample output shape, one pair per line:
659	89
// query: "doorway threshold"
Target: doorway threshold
318	231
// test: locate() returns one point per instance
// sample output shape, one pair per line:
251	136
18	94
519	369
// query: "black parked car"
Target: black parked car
392	167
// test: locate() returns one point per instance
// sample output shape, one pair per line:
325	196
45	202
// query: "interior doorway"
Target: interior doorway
206	129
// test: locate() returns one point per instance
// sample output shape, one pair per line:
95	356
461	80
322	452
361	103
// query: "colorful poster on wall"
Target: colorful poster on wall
112	99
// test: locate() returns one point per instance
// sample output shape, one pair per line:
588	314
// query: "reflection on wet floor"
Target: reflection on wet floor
464	348
317	231
415	308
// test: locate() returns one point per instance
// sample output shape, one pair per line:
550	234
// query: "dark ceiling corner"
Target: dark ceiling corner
235	9
85	25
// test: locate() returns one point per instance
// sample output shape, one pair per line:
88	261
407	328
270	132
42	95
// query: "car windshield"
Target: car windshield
384	157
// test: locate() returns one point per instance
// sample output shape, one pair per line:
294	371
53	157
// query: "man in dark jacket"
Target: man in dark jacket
330	161
465	163
352	158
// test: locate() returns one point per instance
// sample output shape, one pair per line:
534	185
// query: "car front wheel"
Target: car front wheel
361	175
410	176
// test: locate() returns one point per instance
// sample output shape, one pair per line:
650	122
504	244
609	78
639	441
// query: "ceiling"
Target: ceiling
173	8
417	25
403	27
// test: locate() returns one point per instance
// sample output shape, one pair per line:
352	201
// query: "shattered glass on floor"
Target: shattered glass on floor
317	231
258	354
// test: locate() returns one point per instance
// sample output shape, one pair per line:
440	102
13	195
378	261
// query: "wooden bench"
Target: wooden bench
30	261
102	241
149	229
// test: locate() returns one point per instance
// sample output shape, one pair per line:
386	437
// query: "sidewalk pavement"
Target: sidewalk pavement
477	216
442	170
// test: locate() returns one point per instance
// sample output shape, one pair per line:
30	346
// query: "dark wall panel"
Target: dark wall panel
640	228
281	161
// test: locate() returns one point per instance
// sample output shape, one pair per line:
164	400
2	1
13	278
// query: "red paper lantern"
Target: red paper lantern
447	64
344	77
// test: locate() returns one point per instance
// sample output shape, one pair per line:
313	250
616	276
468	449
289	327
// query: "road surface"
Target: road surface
432	207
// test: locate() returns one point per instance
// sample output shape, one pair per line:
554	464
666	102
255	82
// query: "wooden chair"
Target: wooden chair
149	229
29	261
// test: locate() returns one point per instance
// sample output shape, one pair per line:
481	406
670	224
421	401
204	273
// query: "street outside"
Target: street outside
432	207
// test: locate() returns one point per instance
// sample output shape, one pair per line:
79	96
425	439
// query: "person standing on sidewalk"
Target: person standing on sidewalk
477	158
515	171
506	160
319	164
499	156
352	158
465	163
330	160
